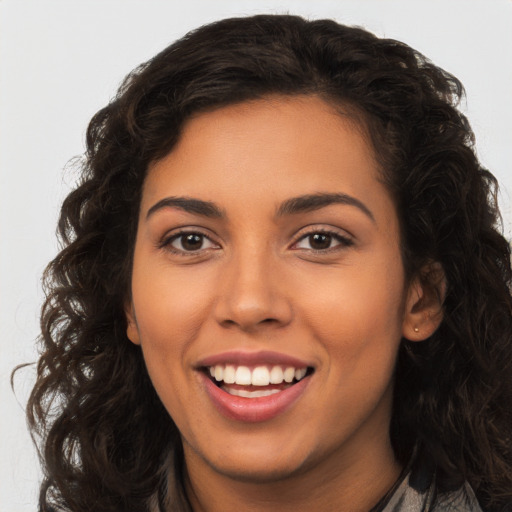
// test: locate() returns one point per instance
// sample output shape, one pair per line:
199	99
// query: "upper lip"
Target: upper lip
263	357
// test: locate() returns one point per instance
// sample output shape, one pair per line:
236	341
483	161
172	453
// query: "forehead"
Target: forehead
268	150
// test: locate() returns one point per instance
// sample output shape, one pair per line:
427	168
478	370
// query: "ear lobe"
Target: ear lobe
424	304
132	331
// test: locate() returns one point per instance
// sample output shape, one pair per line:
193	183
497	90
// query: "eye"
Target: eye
189	242
322	241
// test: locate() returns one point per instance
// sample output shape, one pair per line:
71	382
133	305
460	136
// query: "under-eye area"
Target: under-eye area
257	381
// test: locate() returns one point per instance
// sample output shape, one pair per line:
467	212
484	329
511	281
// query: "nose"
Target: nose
252	293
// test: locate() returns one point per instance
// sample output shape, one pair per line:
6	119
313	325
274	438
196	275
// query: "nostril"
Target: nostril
228	322
247	306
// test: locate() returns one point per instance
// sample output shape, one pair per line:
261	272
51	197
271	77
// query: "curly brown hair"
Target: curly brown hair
105	438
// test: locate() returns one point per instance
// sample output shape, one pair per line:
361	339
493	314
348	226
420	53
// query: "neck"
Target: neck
344	482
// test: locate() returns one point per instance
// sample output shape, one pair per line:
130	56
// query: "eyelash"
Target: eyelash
167	242
343	242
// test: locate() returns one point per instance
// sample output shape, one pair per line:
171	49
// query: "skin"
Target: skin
255	284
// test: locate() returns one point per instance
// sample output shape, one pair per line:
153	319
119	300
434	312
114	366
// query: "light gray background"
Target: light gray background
60	61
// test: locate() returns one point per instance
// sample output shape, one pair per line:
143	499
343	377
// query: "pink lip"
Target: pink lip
253	409
263	357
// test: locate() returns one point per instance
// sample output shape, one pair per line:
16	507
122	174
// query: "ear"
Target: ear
132	331
424	303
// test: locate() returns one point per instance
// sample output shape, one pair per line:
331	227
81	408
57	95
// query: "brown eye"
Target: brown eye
319	241
190	242
323	241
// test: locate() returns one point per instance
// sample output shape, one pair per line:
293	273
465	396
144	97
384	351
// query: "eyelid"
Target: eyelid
166	241
344	238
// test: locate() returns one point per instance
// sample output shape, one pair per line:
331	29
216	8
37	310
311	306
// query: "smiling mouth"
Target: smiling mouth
255	382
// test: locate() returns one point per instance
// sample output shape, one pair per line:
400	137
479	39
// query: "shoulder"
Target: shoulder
463	500
407	498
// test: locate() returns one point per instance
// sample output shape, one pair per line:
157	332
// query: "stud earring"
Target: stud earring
416	329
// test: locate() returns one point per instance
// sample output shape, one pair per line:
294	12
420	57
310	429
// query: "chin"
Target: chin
257	465
259	472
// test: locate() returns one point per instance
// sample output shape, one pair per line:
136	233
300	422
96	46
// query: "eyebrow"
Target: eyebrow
292	206
188	204
311	202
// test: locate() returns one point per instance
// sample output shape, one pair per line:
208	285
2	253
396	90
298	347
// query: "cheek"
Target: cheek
356	320
357	315
169	315
170	306
375	299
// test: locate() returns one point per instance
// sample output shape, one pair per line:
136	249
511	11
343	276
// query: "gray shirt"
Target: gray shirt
407	499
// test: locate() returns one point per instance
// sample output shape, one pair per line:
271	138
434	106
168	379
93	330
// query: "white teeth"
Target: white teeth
229	374
299	374
258	376
276	375
242	375
219	373
252	394
289	374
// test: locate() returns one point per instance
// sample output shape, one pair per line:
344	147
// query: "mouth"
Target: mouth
254	387
255	381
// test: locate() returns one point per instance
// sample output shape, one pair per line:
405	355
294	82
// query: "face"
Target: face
268	290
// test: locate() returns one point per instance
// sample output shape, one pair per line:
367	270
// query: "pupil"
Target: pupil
320	241
192	242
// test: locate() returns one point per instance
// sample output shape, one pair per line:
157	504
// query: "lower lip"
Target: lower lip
254	410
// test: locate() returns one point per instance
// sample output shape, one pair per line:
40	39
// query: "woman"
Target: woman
282	287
